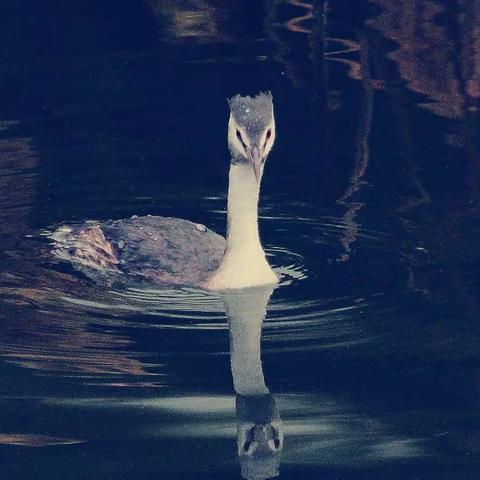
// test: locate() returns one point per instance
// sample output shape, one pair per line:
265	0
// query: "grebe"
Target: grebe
173	251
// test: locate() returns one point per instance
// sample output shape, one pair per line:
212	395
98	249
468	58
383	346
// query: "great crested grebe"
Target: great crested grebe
174	251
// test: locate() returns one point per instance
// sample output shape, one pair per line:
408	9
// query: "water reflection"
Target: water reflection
259	426
437	59
39	331
205	21
362	155
18	179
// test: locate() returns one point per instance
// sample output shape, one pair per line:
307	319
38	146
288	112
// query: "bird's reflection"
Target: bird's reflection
259	426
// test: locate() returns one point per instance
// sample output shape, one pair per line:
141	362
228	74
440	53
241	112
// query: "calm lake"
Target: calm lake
369	353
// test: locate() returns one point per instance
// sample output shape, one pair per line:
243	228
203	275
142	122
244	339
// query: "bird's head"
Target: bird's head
251	130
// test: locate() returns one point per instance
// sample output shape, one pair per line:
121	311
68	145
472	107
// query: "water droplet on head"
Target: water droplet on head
200	227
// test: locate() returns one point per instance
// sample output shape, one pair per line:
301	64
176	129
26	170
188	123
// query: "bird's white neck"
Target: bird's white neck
244	263
242	211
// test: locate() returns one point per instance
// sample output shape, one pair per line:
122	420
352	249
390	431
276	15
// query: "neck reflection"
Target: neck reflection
259	426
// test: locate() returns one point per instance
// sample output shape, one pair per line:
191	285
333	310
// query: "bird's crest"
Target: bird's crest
252	112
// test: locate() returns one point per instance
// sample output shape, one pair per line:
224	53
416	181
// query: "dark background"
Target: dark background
370	204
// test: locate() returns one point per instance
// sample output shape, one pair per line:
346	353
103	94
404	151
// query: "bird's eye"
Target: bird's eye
239	136
267	137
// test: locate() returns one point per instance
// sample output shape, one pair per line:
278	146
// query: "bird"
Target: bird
172	251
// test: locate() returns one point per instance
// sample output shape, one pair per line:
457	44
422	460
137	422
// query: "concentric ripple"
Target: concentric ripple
69	324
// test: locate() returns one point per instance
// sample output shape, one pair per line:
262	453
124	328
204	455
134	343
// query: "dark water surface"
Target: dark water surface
370	212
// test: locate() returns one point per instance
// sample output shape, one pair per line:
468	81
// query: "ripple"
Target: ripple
69	325
289	265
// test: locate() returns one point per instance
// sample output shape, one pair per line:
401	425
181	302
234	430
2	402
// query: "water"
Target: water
369	211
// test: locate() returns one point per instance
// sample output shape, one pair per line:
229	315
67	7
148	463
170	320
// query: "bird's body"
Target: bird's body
142	250
163	250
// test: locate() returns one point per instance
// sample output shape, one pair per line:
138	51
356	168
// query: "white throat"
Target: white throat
244	263
242	210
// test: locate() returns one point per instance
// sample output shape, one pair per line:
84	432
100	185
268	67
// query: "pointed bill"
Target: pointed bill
256	159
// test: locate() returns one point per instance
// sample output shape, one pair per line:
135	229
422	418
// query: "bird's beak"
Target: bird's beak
256	159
